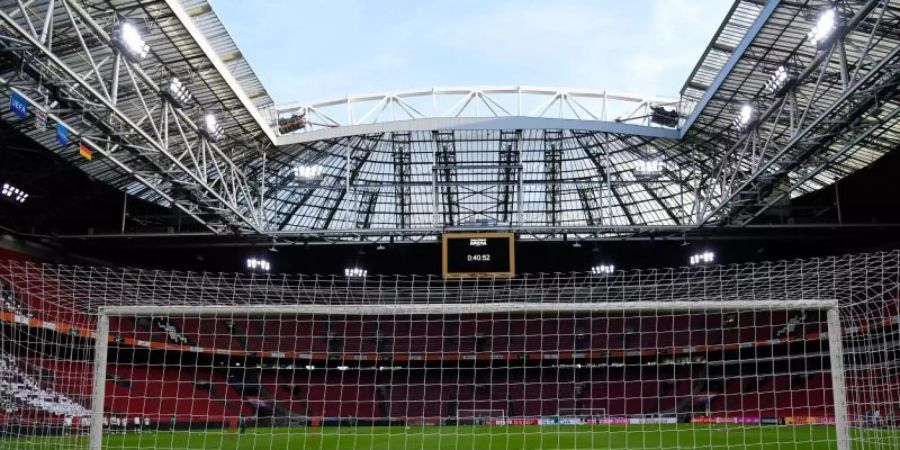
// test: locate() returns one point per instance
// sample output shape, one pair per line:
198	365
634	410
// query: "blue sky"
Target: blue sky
306	50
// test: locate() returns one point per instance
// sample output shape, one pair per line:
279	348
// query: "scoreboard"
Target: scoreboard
473	255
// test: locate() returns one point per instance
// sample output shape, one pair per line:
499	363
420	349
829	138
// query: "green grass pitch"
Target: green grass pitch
563	437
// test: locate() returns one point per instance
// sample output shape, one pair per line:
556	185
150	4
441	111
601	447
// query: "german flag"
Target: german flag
85	152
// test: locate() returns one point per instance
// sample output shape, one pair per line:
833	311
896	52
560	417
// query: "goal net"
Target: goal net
583	413
779	355
480	417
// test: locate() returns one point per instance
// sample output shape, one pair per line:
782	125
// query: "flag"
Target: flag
41	120
85	152
62	134
18	105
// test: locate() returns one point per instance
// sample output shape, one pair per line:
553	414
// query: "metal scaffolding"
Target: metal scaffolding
546	163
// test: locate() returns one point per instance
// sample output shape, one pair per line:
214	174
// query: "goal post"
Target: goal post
479	416
622	321
582	412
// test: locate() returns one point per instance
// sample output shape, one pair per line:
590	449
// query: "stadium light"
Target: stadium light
292	123
258	264
745	117
355	272
820	34
308	172
129	41
702	258
13	193
603	269
342	368
211	127
649	168
310	367
178	93
664	117
780	81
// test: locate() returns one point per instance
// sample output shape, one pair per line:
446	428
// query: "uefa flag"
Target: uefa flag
18	105
85	152
62	134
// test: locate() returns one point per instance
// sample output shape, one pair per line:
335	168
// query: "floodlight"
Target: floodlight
702	258
780	81
211	128
745	117
292	123
307	171
258	264
178	93
355	272
820	35
13	193
129	41
649	168
603	269
664	117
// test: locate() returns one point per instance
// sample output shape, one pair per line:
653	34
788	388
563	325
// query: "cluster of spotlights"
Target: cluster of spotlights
355	272
780	81
258	264
13	193
129	41
702	258
292	123
307	172
178	93
603	269
649	168
664	117
745	118
820	34
211	127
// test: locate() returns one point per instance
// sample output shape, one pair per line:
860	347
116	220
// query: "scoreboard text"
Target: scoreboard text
471	255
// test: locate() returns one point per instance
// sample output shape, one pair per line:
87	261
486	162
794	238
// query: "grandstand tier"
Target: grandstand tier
588	358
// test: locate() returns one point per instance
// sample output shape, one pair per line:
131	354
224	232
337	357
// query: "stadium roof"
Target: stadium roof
545	162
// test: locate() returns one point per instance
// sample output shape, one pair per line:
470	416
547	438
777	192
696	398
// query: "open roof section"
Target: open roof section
568	176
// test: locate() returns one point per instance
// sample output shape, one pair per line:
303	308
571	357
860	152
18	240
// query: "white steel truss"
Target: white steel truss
69	68
479	101
543	161
840	99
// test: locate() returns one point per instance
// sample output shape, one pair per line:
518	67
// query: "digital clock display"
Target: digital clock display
470	255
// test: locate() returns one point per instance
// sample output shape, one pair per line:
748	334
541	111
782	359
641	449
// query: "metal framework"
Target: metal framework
545	162
840	114
470	102
61	58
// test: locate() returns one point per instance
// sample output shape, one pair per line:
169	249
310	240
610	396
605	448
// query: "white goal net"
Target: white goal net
798	354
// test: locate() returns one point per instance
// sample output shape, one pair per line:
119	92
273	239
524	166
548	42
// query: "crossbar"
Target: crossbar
464	308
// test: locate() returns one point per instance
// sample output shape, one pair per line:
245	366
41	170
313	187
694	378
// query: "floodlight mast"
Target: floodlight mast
13	193
177	93
824	30
211	128
129	41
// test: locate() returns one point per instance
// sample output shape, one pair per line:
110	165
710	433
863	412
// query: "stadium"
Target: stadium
188	264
